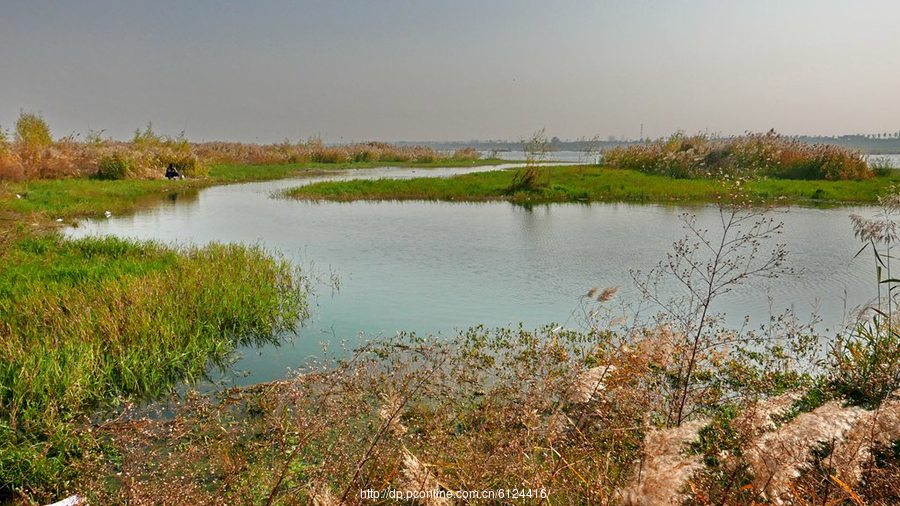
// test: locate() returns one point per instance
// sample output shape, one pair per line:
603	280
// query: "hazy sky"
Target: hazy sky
419	70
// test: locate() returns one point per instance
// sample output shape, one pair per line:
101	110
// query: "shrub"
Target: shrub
10	168
188	165
147	138
395	156
113	166
32	132
525	179
881	165
429	157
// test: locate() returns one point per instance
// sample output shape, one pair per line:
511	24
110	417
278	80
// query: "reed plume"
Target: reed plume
322	496
874	429
390	413
665	468
418	477
761	416
590	383
779	457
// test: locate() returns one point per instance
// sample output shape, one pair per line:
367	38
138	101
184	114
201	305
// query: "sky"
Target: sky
346	70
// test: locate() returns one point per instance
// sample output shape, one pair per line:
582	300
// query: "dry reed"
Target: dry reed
665	467
779	457
875	429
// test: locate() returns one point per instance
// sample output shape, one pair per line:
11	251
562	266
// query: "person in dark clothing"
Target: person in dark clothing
172	172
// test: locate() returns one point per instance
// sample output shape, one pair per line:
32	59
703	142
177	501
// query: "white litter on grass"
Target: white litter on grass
18	196
72	500
59	220
107	214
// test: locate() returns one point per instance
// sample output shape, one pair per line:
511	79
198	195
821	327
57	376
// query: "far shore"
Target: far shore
591	183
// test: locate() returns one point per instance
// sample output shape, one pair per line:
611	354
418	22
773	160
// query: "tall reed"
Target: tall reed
34	154
754	155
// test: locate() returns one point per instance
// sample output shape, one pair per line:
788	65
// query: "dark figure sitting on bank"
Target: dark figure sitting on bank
172	172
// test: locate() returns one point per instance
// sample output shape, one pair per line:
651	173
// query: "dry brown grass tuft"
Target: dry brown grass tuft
390	414
591	383
322	496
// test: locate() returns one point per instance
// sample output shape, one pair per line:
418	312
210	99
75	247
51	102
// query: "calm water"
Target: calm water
437	267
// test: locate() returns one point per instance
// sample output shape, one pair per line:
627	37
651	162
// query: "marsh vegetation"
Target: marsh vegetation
93	323
751	155
657	402
32	153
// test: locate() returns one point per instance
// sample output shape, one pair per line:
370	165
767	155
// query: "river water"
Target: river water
435	267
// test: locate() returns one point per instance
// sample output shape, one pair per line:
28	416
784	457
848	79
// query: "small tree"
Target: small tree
536	147
706	265
32	131
591	151
4	140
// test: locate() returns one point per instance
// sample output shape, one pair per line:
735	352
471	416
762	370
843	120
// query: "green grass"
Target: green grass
82	197
86	323
75	198
592	184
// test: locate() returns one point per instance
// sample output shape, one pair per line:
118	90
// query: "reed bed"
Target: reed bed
489	410
32	153
751	155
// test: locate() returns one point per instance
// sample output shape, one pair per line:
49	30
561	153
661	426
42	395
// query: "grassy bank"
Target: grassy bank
593	184
37	203
92	322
